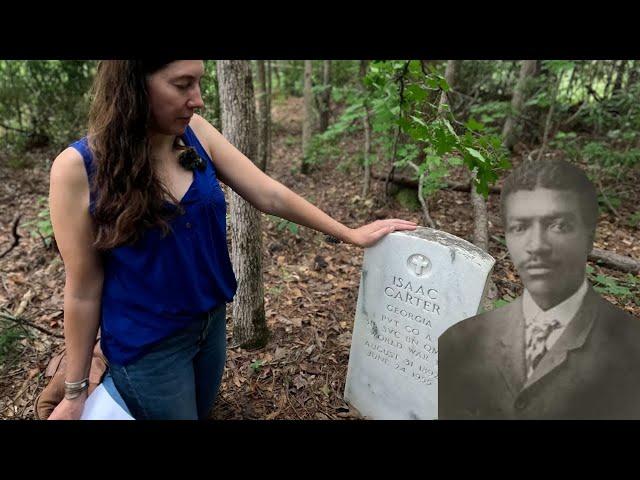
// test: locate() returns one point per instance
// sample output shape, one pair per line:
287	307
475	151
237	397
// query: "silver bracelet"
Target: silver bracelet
74	389
79	383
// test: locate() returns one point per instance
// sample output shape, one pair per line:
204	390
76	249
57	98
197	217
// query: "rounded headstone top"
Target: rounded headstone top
458	244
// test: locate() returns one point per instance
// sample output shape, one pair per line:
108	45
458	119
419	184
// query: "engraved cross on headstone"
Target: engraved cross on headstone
420	262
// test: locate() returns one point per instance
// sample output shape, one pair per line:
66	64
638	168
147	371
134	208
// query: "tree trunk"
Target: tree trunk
634	73
570	83
617	85
325	96
267	71
366	181
481	237
217	114
263	134
366	120
479	203
269	97
527	70
480	220
481	225
449	76
610	79
547	125
307	122
277	74
289	83
423	201
239	127
595	75
17	103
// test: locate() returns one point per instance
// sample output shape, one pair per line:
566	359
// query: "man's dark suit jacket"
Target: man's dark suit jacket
591	372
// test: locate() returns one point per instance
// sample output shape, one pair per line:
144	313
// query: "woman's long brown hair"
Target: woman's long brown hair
129	197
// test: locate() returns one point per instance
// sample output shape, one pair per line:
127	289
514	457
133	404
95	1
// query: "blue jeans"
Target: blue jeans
178	379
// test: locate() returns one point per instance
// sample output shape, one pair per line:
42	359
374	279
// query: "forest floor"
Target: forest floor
310	285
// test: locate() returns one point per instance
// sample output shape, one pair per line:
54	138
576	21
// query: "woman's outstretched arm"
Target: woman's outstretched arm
270	196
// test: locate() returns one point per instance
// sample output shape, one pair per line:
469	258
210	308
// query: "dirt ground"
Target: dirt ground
311	285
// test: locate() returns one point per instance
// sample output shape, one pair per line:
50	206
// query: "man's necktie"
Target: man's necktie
537	334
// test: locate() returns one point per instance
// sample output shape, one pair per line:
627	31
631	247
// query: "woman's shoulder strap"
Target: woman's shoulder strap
82	146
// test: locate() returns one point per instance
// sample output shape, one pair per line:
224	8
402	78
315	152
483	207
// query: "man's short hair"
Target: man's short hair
554	175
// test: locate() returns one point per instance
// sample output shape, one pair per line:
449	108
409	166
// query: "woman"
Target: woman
141	230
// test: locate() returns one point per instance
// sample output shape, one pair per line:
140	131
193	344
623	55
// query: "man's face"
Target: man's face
548	242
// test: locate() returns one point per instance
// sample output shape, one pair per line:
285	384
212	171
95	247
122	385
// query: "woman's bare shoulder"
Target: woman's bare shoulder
200	124
68	169
207	134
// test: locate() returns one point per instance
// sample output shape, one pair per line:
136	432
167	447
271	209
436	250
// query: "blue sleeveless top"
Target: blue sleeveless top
157	286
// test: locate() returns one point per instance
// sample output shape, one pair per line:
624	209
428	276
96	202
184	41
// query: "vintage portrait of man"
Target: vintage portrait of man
559	351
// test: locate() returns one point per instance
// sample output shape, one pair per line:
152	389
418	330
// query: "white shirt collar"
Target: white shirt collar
563	312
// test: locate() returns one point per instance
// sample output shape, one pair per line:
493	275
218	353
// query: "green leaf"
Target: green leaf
414	67
504	163
443	142
448	125
416	92
483	188
404	124
255	366
418	120
558	66
432	82
474	125
476	154
434	160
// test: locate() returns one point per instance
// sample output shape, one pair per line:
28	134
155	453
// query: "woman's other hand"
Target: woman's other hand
69	409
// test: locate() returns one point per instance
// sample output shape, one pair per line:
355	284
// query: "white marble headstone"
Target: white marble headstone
414	285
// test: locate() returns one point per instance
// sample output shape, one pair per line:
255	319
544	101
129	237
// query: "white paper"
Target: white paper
100	405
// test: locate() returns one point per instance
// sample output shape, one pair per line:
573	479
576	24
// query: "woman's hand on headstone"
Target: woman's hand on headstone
369	234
